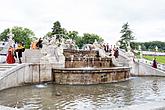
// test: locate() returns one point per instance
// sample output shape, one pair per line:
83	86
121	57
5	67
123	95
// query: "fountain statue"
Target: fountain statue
6	45
128	47
129	53
70	44
96	47
52	51
10	39
140	51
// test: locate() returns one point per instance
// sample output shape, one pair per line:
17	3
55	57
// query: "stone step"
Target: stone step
2	69
5	66
8	64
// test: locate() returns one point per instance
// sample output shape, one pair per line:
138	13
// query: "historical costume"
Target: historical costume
154	63
39	43
10	56
33	45
116	53
20	49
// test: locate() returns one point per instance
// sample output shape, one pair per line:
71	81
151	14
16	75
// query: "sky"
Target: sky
146	18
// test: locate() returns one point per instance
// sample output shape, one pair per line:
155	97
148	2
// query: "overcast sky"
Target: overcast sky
103	17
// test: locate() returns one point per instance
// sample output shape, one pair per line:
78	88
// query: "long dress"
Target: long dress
10	57
154	64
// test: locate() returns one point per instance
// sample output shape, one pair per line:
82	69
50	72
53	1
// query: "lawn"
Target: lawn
159	59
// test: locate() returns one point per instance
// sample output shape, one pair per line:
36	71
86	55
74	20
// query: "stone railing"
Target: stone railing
148	62
26	74
2	58
142	69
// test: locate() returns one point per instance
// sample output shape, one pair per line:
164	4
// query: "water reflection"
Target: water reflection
155	86
101	97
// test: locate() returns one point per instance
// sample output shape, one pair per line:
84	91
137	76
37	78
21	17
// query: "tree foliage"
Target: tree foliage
126	37
72	35
49	34
4	35
58	30
150	46
88	39
20	35
80	40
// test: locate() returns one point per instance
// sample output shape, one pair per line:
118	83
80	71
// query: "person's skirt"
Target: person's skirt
10	58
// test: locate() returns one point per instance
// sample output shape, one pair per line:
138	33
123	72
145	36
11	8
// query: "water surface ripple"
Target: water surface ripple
90	97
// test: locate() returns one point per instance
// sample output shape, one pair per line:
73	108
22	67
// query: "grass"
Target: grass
159	59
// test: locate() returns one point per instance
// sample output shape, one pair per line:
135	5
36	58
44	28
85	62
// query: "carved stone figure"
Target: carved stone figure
52	51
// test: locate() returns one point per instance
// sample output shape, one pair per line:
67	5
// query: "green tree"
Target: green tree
4	35
126	37
72	35
58	30
49	35
80	40
20	35
88	39
150	46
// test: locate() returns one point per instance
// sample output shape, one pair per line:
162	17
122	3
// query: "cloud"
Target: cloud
102	17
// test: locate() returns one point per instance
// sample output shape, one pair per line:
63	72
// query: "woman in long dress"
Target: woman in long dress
10	56
154	63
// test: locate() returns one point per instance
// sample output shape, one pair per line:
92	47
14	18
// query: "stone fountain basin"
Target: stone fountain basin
90	75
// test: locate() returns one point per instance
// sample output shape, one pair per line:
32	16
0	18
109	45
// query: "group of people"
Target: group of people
112	50
15	52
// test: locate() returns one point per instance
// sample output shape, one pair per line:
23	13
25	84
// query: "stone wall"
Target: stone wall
80	62
26	74
32	56
90	76
79	53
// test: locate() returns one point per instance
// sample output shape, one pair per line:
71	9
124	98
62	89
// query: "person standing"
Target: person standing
154	65
10	56
39	43
20	49
33	45
107	47
116	52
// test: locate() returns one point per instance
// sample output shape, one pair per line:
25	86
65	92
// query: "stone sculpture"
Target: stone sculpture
52	51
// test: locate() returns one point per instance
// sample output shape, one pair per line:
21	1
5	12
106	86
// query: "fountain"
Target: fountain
87	67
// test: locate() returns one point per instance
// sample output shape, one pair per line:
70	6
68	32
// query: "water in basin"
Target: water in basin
102	97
